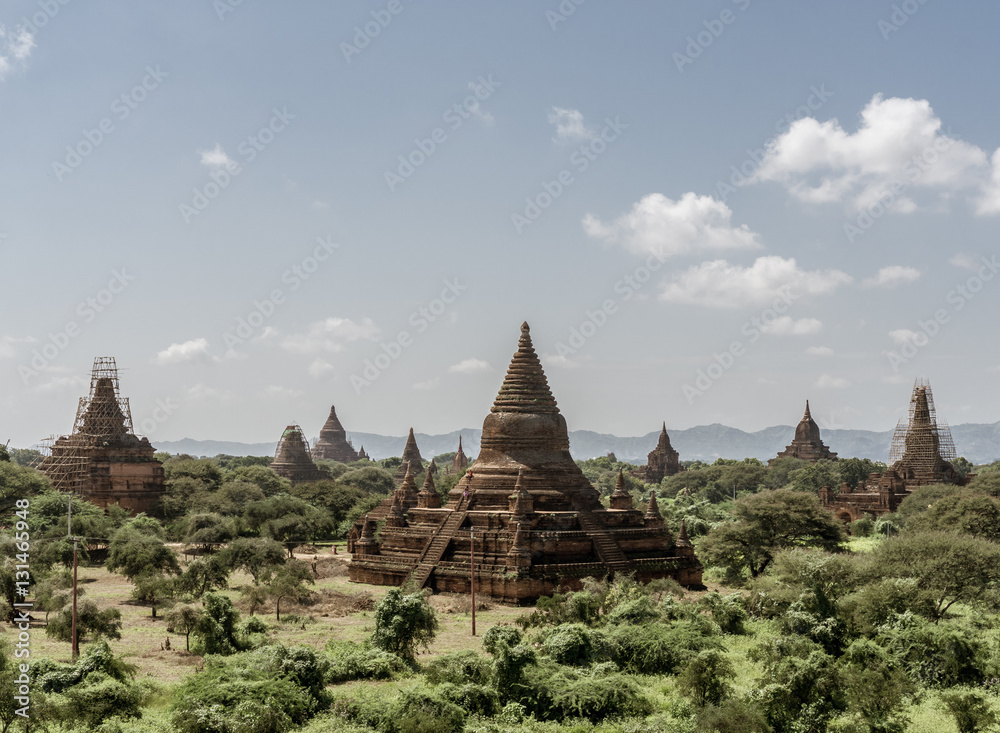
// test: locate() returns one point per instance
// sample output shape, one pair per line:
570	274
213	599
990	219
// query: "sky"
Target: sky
707	212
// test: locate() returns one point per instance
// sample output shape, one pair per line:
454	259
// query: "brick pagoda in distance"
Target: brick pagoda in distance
333	444
662	461
920	455
102	460
292	459
538	523
807	445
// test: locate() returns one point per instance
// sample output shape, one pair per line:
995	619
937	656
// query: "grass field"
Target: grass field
340	609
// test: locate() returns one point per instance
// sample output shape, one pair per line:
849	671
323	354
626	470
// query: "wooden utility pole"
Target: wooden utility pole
74	642
472	565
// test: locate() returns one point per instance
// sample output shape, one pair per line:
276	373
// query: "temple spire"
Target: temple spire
525	388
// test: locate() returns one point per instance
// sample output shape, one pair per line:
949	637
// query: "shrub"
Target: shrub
728	612
217	626
100	697
733	716
458	668
403	623
349	661
936	655
557	692
658	648
575	644
473	698
422	710
970	708
639	610
269	690
705	678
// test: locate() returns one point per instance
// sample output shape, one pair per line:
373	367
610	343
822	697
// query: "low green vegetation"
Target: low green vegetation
885	625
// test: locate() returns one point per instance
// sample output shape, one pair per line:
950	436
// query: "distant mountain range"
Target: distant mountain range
979	443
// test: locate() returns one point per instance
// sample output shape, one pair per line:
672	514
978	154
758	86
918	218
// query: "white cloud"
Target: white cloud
320	368
15	45
989	200
63	384
429	384
659	224
902	336
898	141
721	285
469	366
891	276
826	381
216	158
189	352
819	351
569	125
285	393
966	262
330	335
8	350
788	326
203	393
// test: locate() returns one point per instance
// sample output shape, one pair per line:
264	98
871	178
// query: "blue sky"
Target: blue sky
708	212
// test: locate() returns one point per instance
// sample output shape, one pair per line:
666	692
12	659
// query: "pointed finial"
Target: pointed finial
653	511
519	484
664	431
682	536
807	415
459	442
620	482
409	471
429	481
524	328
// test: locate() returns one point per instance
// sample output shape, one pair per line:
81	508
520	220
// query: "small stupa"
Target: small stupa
411	458
663	460
460	462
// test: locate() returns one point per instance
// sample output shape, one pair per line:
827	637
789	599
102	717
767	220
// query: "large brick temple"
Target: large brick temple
333	444
293	460
103	460
807	445
920	455
537	522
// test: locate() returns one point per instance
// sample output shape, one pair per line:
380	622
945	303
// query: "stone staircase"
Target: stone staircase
435	549
607	549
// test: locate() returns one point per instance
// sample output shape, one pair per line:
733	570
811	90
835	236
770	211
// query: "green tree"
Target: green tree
813	476
91	620
988	483
155	589
403	623
853	470
370	480
948	567
288	582
217	625
970	708
780	470
962	465
286	519
767	522
184	618
134	550
705	678
254	555
25	456
262	477
207	531
205	574
964	510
